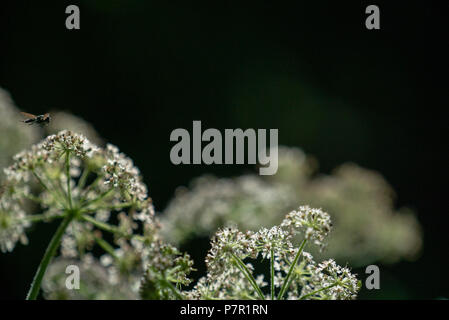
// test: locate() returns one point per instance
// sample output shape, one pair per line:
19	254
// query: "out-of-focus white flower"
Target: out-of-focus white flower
212	203
15	136
367	227
95	282
61	120
13	223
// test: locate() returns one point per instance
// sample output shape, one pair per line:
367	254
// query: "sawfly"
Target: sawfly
42	120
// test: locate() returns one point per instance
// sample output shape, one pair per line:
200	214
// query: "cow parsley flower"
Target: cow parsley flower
324	281
166	271
93	190
293	272
314	223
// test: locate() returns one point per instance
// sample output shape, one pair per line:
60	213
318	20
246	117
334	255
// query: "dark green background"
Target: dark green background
139	69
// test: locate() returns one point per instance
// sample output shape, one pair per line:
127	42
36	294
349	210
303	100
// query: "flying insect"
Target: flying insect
42	120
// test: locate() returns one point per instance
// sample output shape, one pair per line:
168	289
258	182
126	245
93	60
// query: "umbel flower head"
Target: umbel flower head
293	273
314	223
76	177
167	270
17	136
97	191
103	203
324	281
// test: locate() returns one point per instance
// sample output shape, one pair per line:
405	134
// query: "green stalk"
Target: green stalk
42	183
106	246
174	290
272	273
248	275
292	266
116	207
110	228
100	197
56	186
67	168
49	253
83	178
88	188
41	217
316	291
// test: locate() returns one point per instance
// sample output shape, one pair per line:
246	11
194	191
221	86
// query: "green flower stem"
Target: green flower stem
49	253
42	183
32	197
88	188
83	178
106	246
56	186
67	168
113	207
272	273
247	296
110	228
319	290
100	197
41	217
174	290
241	265
292	266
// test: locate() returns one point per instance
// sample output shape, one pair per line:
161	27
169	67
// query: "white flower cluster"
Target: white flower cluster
226	243
12	226
229	277
324	281
101	190
314	223
166	270
88	191
275	238
214	203
47	152
67	141
121	173
106	193
231	284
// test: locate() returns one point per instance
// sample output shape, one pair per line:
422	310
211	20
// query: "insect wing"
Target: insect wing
28	115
